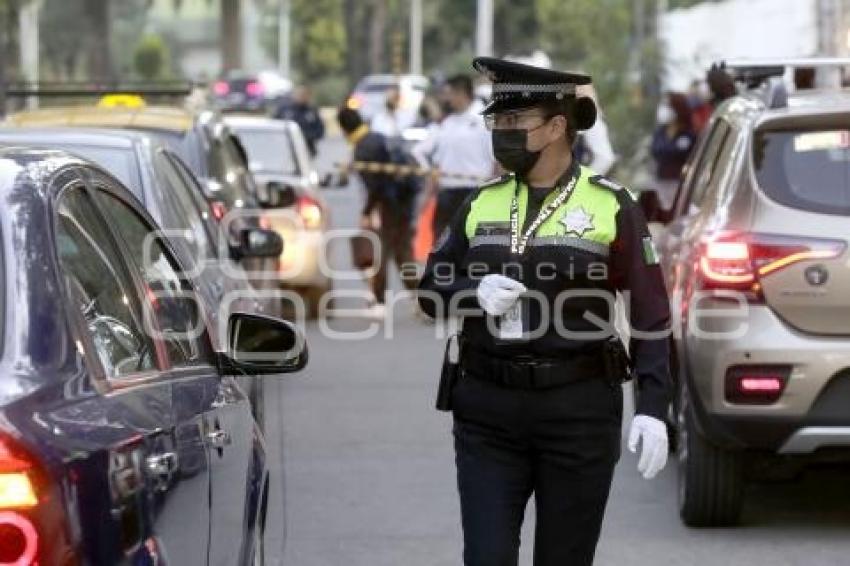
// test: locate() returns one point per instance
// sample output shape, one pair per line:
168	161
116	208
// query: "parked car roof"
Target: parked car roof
146	117
76	136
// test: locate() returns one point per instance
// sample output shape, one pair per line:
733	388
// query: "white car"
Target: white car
287	185
370	94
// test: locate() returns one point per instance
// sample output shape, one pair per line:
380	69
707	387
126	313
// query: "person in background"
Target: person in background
593	147
388	121
388	198
700	108
804	78
721	84
672	143
460	149
300	109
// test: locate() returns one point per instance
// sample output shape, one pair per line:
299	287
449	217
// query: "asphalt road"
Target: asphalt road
363	469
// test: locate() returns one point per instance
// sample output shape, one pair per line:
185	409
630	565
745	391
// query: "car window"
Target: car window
247	190
224	165
706	168
183	214
196	193
119	161
101	288
807	169
172	301
269	151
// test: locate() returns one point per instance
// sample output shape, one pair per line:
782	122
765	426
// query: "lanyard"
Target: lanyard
518	245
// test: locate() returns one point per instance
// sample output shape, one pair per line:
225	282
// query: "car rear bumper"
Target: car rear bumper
808	439
302	263
812	411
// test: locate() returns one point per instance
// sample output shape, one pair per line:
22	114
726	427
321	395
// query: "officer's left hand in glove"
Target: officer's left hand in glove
497	293
654	444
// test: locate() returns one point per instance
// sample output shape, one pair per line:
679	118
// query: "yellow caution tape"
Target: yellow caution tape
399	170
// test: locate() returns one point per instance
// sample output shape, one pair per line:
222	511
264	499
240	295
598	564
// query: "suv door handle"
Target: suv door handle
219	439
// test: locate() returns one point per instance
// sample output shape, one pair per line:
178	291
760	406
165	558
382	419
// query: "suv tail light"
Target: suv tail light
32	517
756	384
737	261
310	211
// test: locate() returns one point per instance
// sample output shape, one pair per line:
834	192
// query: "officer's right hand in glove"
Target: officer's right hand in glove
497	293
652	433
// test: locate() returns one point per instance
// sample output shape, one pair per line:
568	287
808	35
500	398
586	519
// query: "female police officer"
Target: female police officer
542	251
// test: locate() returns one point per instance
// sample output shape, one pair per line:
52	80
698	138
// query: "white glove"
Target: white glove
653	454
497	293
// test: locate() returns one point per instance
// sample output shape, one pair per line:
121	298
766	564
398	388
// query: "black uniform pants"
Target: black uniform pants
560	444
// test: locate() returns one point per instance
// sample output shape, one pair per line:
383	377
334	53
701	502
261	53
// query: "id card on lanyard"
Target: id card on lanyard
512	324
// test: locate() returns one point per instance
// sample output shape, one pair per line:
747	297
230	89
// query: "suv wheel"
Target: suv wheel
711	479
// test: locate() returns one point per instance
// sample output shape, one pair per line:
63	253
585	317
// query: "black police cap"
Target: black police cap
517	86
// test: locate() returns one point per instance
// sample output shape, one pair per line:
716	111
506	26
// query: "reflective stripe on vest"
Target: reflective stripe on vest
561	241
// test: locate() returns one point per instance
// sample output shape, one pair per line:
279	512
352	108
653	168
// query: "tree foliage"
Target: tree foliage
597	37
150	58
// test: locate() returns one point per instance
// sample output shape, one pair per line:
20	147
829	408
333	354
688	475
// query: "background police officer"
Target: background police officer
542	251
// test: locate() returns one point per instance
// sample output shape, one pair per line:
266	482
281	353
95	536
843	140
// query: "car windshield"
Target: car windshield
807	169
120	162
269	151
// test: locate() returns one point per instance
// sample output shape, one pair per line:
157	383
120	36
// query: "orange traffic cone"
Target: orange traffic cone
424	231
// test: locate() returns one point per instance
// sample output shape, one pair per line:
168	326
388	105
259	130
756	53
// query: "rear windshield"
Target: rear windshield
269	151
807	169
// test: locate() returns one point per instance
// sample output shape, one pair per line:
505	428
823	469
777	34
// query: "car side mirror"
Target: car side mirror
260	344
259	242
280	195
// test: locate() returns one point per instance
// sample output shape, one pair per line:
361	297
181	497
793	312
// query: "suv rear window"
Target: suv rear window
807	169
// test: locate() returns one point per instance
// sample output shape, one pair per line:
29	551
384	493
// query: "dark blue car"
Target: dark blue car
124	437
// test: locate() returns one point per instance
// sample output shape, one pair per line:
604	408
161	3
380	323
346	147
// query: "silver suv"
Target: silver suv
756	260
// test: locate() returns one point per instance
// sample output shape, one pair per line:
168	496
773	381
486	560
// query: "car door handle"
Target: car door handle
162	467
219	439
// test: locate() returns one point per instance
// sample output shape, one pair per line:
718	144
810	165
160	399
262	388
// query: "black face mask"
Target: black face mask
510	150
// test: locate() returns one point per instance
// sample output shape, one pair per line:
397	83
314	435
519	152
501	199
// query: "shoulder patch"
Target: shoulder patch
605	182
496	181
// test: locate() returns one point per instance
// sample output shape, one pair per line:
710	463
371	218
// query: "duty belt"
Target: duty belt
527	372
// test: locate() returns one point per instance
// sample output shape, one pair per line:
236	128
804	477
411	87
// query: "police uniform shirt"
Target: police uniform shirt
595	244
461	147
